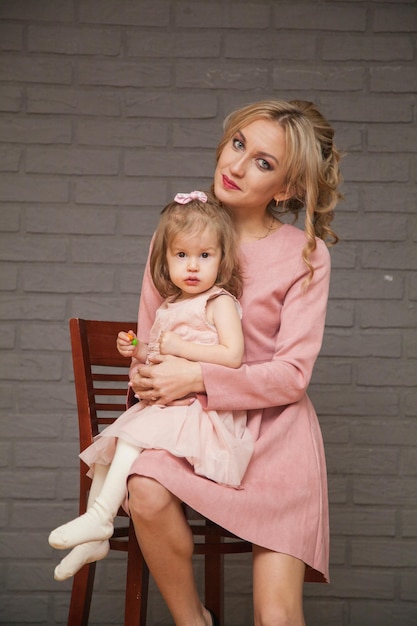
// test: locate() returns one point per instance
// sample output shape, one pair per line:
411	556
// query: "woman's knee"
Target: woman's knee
279	610
147	498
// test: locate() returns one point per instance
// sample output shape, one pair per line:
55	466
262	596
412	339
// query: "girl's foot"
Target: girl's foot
80	556
95	525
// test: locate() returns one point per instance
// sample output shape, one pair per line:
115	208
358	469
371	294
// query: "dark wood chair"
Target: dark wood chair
101	382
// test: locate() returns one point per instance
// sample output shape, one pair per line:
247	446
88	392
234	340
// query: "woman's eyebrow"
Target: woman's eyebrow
261	153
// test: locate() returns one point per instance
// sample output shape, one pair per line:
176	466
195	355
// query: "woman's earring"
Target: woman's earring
276	201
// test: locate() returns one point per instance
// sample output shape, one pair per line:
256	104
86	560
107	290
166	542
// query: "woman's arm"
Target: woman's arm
168	379
281	379
284	378
174	377
150	300
223	314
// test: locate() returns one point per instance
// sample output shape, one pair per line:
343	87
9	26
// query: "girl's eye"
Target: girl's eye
205	255
238	144
181	255
264	165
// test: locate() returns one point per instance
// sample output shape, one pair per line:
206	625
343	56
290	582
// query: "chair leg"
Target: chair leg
137	583
214	580
82	590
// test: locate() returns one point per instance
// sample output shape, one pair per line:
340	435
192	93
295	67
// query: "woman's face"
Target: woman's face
250	170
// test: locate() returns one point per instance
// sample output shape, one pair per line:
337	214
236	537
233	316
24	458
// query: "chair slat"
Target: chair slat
111	406
109	391
111	377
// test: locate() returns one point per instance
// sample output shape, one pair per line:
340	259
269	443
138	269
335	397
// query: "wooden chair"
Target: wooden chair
101	382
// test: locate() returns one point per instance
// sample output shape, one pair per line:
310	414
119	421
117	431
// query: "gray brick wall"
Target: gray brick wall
107	108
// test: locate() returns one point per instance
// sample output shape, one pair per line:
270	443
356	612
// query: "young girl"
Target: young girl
195	268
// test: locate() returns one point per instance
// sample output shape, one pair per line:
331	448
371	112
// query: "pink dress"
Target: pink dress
283	505
216	443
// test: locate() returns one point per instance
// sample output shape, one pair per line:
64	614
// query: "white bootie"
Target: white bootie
95	525
80	556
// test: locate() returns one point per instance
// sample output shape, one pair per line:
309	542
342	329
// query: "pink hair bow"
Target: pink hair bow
185	198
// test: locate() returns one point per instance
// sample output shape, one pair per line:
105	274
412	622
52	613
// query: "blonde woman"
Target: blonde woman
275	157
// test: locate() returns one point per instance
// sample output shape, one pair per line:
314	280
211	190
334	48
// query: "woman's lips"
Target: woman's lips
229	184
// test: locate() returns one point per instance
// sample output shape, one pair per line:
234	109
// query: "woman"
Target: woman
274	157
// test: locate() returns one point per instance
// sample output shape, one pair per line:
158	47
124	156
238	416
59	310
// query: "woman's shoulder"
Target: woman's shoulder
290	236
296	237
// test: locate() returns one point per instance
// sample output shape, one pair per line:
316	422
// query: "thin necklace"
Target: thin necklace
270	227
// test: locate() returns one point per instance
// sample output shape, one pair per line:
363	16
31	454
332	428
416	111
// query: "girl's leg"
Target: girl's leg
93	550
97	523
166	542
277	588
79	556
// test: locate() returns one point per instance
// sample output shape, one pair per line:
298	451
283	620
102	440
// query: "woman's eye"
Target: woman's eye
264	165
238	144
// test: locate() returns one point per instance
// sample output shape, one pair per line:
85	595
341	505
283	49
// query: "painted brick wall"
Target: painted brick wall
108	108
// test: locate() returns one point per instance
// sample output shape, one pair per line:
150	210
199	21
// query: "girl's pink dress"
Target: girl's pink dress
216	443
283	504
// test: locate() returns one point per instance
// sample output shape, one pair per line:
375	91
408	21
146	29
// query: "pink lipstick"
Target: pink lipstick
229	184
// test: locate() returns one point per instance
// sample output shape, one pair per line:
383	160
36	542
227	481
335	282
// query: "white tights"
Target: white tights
88	534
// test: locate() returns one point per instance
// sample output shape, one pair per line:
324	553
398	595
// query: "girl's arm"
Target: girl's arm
129	346
223	314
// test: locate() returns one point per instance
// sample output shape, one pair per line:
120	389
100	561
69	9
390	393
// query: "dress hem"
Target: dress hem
312	574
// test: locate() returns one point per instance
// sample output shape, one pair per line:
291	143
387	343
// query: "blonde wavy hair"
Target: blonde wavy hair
311	162
192	219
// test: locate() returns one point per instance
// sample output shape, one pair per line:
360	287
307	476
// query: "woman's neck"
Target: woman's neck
253	227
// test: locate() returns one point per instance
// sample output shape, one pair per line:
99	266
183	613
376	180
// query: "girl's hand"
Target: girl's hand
127	343
167	380
170	343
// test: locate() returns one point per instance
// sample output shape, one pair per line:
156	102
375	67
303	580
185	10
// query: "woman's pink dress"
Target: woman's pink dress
216	443
283	504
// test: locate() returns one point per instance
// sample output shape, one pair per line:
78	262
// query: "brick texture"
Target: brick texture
108	107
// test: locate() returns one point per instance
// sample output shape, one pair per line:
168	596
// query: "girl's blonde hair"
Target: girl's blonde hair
311	162
192	219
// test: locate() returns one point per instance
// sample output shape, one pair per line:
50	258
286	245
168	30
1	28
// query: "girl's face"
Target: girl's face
193	262
250	170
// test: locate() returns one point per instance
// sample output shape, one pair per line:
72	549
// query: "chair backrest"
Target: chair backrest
101	377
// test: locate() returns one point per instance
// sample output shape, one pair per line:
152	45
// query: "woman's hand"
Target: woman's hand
167	380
